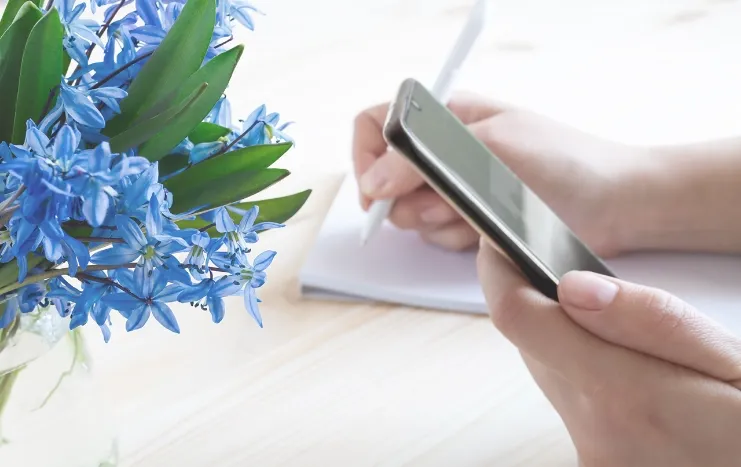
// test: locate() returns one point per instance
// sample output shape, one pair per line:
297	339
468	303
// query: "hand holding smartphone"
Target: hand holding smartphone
484	190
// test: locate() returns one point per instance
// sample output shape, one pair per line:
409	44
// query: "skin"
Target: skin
638	377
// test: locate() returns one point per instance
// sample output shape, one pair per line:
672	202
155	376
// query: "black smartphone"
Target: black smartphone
484	190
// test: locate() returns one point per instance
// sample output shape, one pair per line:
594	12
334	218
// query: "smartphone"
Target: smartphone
484	190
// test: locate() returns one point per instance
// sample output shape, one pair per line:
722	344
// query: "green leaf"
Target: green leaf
207	132
141	132
11	9
171	163
40	71
9	271
277	210
211	171
217	73
202	192
177	57
12	44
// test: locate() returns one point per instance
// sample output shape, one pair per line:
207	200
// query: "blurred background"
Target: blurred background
634	70
643	71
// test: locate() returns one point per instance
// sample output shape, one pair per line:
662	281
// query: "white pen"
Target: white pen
380	209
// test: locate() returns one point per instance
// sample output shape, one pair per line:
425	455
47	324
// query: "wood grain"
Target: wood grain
339	384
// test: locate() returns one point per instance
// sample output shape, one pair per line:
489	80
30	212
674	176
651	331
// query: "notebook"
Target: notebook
397	267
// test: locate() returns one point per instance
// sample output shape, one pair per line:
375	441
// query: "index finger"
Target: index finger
538	327
368	142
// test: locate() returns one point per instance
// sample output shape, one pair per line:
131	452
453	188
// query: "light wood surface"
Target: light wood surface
359	385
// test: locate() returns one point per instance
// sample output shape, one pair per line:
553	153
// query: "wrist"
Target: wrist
681	198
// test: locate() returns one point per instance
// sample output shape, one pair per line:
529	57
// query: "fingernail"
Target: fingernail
373	182
587	291
435	215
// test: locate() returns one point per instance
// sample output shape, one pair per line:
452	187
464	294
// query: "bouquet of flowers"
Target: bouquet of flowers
118	152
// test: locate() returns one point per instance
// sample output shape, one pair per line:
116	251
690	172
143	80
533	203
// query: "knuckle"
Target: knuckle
667	312
504	311
404	216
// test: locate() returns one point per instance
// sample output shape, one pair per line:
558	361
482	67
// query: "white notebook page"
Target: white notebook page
398	267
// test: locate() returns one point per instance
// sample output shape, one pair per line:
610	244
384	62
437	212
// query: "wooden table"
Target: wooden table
355	385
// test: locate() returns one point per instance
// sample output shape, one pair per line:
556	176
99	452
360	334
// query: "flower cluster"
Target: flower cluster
87	223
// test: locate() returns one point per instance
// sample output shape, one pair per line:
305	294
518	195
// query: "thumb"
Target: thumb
651	321
390	176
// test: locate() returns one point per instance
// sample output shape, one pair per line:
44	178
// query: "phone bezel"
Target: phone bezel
488	225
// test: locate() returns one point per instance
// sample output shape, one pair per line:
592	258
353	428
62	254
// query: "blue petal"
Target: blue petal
170	245
225	286
148	12
78	318
263	260
216	308
165	316
75	50
154	217
151	35
130	232
175	273
266	226
95	207
159	282
117	254
99	160
138	318
203	151
80	108
250	302
106	332
122	301
201	239
224	222
196	292
22	268
170	294
249	218
37	141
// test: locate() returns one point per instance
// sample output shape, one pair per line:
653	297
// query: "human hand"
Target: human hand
639	377
583	178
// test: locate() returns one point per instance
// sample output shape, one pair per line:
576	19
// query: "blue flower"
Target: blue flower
63	295
79	33
210	293
87	302
249	277
238	238
221	114
262	128
149	296
200	253
24	300
158	22
238	10
153	250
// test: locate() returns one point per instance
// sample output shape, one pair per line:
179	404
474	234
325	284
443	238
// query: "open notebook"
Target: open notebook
398	267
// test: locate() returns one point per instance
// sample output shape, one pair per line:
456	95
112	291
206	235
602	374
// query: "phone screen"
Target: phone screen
504	197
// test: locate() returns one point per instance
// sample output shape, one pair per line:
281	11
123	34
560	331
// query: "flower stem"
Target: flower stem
208	227
100	240
100	33
59	272
6	387
120	70
100	280
12	199
236	140
47	106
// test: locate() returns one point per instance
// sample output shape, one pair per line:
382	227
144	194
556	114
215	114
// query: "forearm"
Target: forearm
687	198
